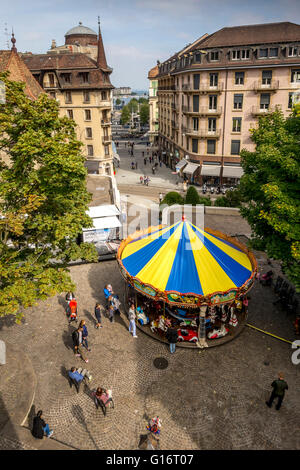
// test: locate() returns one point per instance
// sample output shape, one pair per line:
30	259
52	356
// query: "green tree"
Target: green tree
144	114
270	185
143	100
133	105
232	198
125	115
118	101
192	196
43	200
173	198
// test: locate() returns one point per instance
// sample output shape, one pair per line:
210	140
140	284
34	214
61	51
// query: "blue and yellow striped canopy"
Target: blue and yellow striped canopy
185	259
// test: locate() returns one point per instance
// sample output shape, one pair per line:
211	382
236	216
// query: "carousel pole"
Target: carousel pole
135	296
201	343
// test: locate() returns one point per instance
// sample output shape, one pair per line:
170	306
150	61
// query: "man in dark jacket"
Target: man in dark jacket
40	427
172	337
279	387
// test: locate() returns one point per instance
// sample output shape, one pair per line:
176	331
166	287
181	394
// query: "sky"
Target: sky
136	33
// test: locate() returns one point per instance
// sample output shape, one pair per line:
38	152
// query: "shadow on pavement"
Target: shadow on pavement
77	412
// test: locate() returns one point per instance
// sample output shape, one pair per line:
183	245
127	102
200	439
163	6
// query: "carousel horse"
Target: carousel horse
218	333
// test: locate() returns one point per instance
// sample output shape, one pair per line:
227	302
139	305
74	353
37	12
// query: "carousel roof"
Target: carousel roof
185	259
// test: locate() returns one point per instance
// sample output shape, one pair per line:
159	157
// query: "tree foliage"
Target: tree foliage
125	115
173	198
192	196
232	198
133	105
43	200
270	185
144	114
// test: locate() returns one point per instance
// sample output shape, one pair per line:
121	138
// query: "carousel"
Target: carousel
183	277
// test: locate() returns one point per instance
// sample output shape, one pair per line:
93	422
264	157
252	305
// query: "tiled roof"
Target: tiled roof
73	63
252	34
19	72
153	72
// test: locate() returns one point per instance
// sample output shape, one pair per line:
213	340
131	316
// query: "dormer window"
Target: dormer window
198	57
214	56
293	51
273	52
84	77
66	77
263	52
240	54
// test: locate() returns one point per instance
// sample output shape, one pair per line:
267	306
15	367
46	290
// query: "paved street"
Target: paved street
212	399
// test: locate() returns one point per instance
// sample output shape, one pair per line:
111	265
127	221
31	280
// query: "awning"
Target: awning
210	170
107	210
104	222
232	171
180	165
191	168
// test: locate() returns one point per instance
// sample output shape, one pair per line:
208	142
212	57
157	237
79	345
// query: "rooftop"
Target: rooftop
81	29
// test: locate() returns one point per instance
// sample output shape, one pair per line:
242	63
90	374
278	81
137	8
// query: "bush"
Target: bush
173	198
205	201
232	198
192	196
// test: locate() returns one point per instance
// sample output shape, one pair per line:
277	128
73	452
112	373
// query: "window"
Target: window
273	52
88	132
198	57
196	79
90	150
211	146
295	77
263	53
264	101
195	145
68	97
87	114
236	55
245	54
214	56
70	113
195	103
235	147
239	78
213	102
212	124
236	124
213	79
84	77
103	95
106	149
266	77
294	98
293	51
86	96
290	103
195	124
66	77
237	101
53	94
51	79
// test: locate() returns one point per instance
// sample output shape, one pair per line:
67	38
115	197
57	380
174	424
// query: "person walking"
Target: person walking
145	161
84	334
77	341
70	296
72	310
132	317
161	197
98	316
279	387
172	337
40	428
111	313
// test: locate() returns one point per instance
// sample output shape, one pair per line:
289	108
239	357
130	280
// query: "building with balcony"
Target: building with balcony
212	92
153	108
79	80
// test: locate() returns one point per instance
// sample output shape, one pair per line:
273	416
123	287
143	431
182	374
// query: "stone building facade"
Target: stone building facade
79	80
153	105
212	92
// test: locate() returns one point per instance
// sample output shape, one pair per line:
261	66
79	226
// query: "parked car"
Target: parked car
187	335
